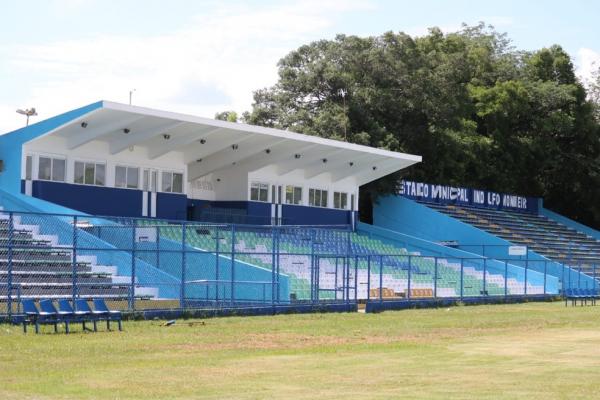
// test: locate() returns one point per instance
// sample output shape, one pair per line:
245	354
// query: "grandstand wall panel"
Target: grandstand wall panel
405	216
570	223
11	144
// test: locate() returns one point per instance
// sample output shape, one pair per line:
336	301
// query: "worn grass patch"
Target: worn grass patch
534	351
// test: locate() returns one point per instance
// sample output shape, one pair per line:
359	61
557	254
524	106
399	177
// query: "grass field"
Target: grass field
532	351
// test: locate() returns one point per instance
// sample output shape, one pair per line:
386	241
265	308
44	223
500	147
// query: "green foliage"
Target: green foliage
479	112
230	116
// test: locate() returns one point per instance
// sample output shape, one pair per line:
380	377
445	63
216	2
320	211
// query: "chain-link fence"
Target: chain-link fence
149	264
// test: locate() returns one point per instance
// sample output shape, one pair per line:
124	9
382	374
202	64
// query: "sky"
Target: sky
200	57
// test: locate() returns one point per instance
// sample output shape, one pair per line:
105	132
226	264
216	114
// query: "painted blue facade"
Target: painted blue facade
443	194
304	215
11	144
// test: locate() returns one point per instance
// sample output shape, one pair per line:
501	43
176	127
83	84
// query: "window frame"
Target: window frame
262	187
318	193
52	159
296	200
171	174
339	195
127	168
86	163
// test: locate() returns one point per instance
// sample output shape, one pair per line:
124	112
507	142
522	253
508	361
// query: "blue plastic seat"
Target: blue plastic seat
82	305
47	306
110	315
37	317
65	308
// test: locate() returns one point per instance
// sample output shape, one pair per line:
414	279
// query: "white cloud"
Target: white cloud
231	52
587	62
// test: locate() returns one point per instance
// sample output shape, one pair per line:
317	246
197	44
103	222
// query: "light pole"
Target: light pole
131	94
343	93
29	112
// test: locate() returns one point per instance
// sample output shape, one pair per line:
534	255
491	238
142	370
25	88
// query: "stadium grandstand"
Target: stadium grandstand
156	210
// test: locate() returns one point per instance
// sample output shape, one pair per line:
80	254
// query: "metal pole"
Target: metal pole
462	271
381	279
355	279
273	266
368	277
10	261
278	236
183	265
545	277
312	266
435	277
484	276
336	279
409	273
526	267
232	297
74	260
132	288
505	278
217	258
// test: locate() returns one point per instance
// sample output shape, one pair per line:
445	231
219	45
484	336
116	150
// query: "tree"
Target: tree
480	112
230	116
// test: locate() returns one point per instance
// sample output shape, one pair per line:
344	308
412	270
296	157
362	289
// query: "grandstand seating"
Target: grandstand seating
295	246
541	234
41	268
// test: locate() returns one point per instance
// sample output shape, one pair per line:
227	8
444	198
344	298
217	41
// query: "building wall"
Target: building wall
11	144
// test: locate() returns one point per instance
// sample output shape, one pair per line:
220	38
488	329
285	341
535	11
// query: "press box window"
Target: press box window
293	195
317	198
127	177
51	169
340	200
259	191
172	182
89	173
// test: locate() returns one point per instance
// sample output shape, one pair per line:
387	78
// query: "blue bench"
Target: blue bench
34	316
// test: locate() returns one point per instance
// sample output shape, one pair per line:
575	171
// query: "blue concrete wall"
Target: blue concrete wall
304	215
411	218
11	144
570	223
91	199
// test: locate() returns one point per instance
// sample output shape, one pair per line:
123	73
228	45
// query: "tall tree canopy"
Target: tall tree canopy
480	113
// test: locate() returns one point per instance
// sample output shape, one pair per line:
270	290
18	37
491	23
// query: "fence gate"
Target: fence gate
335	278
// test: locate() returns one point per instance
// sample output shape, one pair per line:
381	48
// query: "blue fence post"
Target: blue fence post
368	277
278	276
74	260
595	283
462	275
133	272
312	265
10	262
356	279
232	264
217	240
435	277
579	277
381	279
183	265
336	278
409	276
526	267
545	277
505	278
273	251
484	277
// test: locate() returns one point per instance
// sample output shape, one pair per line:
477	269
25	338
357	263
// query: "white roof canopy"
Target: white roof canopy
209	145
